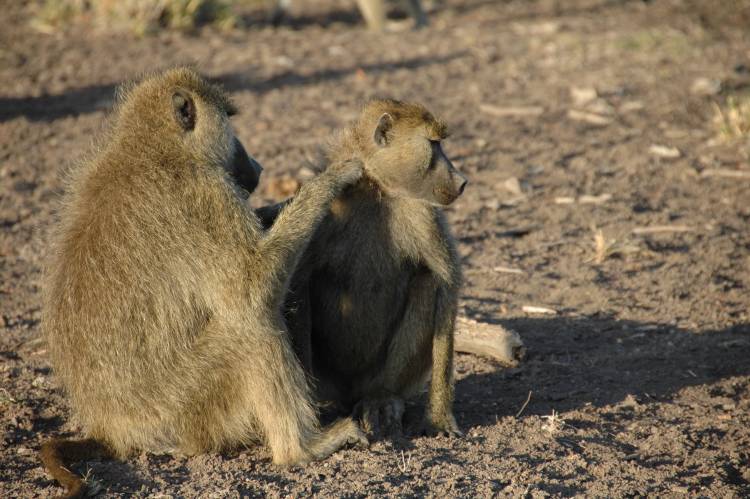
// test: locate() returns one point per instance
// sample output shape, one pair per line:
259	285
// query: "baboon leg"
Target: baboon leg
424	339
380	415
280	12
257	386
374	13
414	7
288	417
407	364
439	418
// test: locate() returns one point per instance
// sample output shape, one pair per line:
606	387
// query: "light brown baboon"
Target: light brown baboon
373	11
163	296
374	300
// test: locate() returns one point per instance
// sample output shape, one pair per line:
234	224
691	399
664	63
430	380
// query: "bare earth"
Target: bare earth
639	384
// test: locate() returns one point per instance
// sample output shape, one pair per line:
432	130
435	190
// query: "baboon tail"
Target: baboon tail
55	453
339	434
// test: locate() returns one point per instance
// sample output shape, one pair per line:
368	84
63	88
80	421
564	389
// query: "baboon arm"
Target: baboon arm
425	338
441	386
409	352
287	239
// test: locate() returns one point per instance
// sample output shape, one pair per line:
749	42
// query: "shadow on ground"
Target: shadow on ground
574	362
101	97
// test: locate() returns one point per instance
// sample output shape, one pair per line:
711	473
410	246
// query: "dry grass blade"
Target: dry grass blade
590	118
5	395
725	172
502	112
520	411
655	229
665	152
138	16
508	270
565	200
605	248
734	121
404	463
600	199
554	422
534	309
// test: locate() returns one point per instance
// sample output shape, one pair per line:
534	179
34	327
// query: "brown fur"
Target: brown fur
373	11
374	302
162	303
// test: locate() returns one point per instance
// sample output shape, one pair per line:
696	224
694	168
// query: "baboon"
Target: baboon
163	295
373	303
373	11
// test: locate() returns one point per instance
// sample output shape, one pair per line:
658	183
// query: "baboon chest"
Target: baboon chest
358	292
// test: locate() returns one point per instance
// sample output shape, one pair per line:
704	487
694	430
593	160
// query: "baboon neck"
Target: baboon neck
369	190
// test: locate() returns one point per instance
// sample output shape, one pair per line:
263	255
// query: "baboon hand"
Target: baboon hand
380	416
346	172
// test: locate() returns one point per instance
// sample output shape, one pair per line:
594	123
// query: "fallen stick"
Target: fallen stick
590	118
502	112
524	405
532	309
508	270
662	228
665	151
489	340
725	172
587	199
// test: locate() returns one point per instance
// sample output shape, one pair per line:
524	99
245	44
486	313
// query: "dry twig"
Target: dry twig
524	405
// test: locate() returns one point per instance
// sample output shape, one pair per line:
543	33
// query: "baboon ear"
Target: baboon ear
184	109
385	123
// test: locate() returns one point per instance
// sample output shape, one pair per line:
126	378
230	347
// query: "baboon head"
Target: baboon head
179	114
401	145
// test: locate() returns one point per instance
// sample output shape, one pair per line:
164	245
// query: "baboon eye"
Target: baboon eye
184	109
435	145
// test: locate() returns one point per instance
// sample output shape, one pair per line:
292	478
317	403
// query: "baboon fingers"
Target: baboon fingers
348	171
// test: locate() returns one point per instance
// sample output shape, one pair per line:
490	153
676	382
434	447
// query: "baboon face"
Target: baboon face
243	169
409	161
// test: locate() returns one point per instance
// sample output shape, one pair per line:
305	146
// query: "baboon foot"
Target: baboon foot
443	426
383	416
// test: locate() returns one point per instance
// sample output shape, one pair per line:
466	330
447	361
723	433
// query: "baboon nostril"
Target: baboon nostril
461	187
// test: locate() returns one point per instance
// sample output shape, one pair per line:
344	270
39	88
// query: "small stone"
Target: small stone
705	86
665	151
513	185
583	95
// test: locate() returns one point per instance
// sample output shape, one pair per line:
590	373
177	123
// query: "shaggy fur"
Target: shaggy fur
373	304
162	296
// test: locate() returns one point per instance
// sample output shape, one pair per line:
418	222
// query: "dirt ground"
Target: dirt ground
602	110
